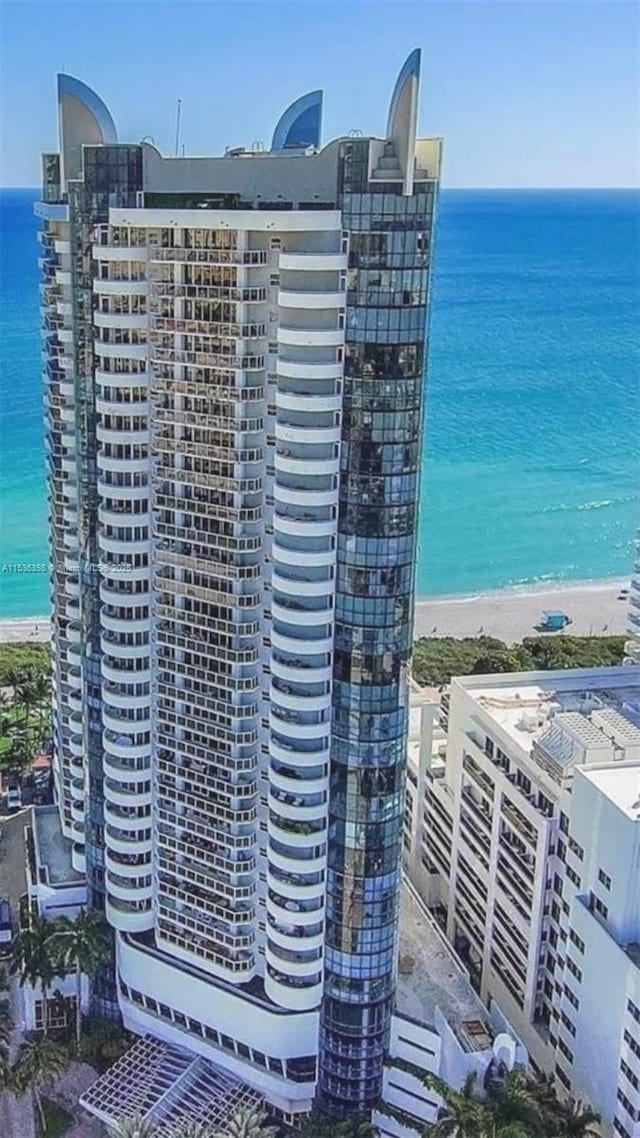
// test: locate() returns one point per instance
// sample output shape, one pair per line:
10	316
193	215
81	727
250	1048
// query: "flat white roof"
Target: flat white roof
620	783
522	704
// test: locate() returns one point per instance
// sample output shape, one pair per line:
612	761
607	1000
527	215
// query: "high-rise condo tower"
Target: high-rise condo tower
235	369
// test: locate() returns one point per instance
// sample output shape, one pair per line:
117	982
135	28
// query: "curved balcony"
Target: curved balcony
123	869
284	723
121	379
121	288
74	702
119	599
119	772
291	891
292	935
77	790
122	519
306	262
134	891
123	676
70	541
127	920
293	586
294	756
121	465
123	435
114	695
69	465
299	783
298	673
116	745
111	407
316	558
120	351
291	612
120	723
136	320
287	298
303	837
301	369
124	623
72	587
74	632
294	809
123	546
304	527
76	746
299	701
78	815
288	433
298	999
121	822
286	463
119	252
78	859
285	862
131	844
107	490
301	647
126	798
292	967
310	337
110	644
304	496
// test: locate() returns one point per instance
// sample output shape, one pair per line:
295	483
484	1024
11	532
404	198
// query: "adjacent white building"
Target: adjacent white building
526	847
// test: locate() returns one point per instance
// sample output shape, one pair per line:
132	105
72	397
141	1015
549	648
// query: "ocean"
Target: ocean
531	470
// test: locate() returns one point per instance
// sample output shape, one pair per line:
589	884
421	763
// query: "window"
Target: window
564	1079
632	1043
574	970
564	1050
620	1129
598	907
572	998
604	879
568	1024
575	939
627	1104
576	849
626	1070
573	877
564	823
633	1010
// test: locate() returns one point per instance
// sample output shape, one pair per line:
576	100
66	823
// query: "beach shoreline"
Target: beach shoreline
507	614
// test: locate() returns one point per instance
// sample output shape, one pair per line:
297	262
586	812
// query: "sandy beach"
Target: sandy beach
34	630
594	608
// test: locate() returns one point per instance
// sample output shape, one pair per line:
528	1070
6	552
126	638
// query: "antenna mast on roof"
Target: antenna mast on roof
178	112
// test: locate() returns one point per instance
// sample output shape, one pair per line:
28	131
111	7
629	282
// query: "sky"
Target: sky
527	93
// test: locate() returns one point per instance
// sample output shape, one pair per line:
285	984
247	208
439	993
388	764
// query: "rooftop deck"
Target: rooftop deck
52	849
431	978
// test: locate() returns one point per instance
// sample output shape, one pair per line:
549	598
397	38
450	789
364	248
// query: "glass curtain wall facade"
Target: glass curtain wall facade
387	298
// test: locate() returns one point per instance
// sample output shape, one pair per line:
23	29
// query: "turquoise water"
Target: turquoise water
531	470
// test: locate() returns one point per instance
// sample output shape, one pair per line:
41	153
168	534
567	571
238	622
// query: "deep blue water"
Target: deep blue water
532	448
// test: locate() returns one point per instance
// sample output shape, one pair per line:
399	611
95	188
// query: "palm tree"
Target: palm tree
462	1114
34	958
82	945
134	1126
574	1119
512	1102
246	1122
189	1129
41	688
37	1065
